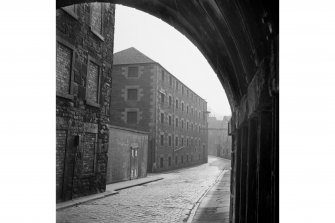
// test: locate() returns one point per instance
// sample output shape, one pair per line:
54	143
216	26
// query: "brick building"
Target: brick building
219	143
84	58
148	98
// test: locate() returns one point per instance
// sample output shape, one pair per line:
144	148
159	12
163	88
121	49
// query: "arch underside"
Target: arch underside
232	35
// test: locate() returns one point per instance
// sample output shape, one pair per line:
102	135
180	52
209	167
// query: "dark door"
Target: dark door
65	156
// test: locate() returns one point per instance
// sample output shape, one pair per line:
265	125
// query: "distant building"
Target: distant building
84	58
219	143
148	98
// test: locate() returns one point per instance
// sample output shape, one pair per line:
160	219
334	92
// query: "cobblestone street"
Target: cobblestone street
167	200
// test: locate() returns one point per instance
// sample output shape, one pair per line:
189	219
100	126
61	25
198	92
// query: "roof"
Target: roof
131	56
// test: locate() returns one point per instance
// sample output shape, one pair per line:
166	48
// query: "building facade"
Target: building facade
148	98
84	58
219	142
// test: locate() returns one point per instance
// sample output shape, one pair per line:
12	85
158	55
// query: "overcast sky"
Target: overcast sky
167	46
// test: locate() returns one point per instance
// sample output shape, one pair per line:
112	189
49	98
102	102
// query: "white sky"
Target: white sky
167	46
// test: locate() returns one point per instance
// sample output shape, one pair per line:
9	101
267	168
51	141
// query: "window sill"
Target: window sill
93	104
97	34
65	95
71	13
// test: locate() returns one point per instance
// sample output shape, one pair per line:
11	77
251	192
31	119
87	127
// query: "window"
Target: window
132	94
182	124
176	85
170	120
176	141
63	69
176	103
170	140
182	106
187	158
162	139
182	159
162	98
170	81
162	118
161	162
92	82
170	100
186	109
182	141
182	90
176	160
132	72
187	142
187	125
177	122
96	18
169	160
132	117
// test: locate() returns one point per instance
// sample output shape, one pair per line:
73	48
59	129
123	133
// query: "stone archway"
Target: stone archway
240	40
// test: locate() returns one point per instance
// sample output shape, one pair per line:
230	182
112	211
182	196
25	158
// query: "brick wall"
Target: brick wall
83	100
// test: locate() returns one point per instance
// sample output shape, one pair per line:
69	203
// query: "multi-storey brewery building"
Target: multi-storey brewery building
146	97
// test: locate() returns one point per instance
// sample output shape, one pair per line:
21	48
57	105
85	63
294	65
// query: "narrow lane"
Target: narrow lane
168	200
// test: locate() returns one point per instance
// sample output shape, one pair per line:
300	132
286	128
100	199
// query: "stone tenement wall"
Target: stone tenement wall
187	129
85	35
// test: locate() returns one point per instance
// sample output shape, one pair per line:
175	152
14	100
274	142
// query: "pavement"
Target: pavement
111	189
180	197
214	205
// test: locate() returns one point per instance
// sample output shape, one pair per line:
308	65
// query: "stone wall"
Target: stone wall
84	61
121	141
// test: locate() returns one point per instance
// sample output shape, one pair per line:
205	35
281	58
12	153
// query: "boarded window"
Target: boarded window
89	142
132	94
63	68
132	117
96	17
92	82
133	72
